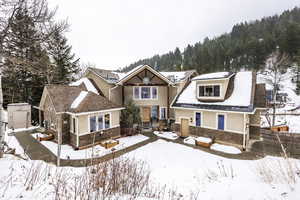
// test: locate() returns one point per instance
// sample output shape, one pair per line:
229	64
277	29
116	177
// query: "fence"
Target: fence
270	144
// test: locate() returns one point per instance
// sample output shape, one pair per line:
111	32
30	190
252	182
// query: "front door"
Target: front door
184	128
146	114
221	122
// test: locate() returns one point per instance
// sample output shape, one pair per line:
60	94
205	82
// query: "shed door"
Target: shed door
184	128
146	114
20	119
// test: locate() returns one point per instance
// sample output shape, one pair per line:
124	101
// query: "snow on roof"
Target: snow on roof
120	74
88	84
79	99
174	76
241	95
216	75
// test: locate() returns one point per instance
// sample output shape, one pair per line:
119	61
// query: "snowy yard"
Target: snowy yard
67	152
188	169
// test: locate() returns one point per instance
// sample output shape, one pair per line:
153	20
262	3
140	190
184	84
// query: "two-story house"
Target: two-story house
224	105
151	90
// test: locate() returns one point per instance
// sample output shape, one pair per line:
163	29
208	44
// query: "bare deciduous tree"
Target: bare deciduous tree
276	66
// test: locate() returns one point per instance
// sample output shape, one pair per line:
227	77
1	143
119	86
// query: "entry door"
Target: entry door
184	128
221	122
146	114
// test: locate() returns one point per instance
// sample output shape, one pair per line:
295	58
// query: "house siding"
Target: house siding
217	135
234	122
102	85
116	95
99	136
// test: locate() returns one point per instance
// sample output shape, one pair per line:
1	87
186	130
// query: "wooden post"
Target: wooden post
123	96
1	121
59	139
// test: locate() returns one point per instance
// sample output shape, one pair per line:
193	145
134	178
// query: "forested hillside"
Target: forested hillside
246	46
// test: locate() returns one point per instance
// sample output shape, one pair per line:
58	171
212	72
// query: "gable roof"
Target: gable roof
240	100
114	77
140	68
63	96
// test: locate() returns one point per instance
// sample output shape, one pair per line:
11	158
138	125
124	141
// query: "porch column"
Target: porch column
168	102
40	117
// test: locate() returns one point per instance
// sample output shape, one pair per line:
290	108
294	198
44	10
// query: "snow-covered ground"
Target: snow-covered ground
166	134
214	177
67	152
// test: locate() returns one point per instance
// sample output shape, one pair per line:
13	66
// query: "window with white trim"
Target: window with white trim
136	92
99	122
93	125
209	90
145	92
163	113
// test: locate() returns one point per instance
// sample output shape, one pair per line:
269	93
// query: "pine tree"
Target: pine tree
62	58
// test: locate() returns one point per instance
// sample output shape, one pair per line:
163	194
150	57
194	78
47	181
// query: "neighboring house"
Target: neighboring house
222	105
79	114
151	90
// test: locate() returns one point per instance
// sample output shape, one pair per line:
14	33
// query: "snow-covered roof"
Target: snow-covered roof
79	99
176	76
88	84
240	97
216	75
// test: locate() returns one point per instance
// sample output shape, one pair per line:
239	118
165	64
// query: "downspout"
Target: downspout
245	131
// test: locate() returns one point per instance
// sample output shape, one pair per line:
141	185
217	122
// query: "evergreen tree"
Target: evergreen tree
66	66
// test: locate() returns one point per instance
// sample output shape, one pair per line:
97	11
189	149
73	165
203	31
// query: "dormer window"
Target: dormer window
209	91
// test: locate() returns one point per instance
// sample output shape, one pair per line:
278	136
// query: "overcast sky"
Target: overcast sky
115	33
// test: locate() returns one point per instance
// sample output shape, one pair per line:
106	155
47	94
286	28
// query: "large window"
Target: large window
93	126
100	122
145	92
198	118
136	92
209	91
107	121
154	92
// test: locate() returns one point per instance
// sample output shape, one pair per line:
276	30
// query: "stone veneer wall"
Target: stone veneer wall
225	136
88	138
254	132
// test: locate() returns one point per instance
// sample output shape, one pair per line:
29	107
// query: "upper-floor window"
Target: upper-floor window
145	92
209	91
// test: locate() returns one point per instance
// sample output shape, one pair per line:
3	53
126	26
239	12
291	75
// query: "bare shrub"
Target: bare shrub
286	171
223	171
37	173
